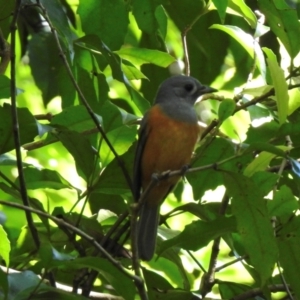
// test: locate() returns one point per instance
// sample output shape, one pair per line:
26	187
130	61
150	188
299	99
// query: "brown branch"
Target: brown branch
15	124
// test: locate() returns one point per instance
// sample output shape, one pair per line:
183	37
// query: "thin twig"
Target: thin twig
87	285
208	279
184	42
284	283
257	292
218	269
15	124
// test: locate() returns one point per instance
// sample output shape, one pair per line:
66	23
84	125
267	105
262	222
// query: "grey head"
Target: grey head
181	88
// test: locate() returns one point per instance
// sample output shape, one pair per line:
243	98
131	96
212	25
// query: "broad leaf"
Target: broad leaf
27	127
199	233
99	17
280	86
253	223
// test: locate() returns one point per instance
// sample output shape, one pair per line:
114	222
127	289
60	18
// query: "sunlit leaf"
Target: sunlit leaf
141	56
283	21
247	42
240	7
37	179
280	85
4	246
81	150
226	109
221	7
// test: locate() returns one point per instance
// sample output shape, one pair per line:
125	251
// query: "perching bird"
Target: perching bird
167	137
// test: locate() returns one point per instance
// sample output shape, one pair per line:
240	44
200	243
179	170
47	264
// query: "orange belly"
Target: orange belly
170	144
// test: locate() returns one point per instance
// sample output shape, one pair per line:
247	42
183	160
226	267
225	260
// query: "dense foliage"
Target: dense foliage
76	76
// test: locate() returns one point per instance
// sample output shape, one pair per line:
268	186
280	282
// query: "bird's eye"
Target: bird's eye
189	87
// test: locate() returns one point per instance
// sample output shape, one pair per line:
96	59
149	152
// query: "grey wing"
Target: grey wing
137	172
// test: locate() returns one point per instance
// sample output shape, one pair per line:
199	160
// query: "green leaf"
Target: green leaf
47	292
277	150
111	180
39	179
226	109
131	72
110	273
60	22
75	118
114	203
10	160
4	246
27	127
280	86
173	266
106	19
253	223
240	7
263	133
248	43
116	67
217	150
187	11
19	282
221	8
199	233
289	247
41	48
121	138
144	13
81	150
206	212
283	21
265	180
230	289
141	56
260	163
283	203
4	87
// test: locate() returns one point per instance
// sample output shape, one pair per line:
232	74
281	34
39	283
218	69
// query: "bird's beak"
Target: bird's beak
206	90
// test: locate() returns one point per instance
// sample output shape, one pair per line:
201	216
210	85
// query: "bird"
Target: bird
167	137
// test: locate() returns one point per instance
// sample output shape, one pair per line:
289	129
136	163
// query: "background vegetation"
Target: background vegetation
76	76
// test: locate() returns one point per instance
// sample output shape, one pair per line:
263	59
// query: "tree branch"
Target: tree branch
15	124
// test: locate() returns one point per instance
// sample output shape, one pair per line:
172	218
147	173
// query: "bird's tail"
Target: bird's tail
147	231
